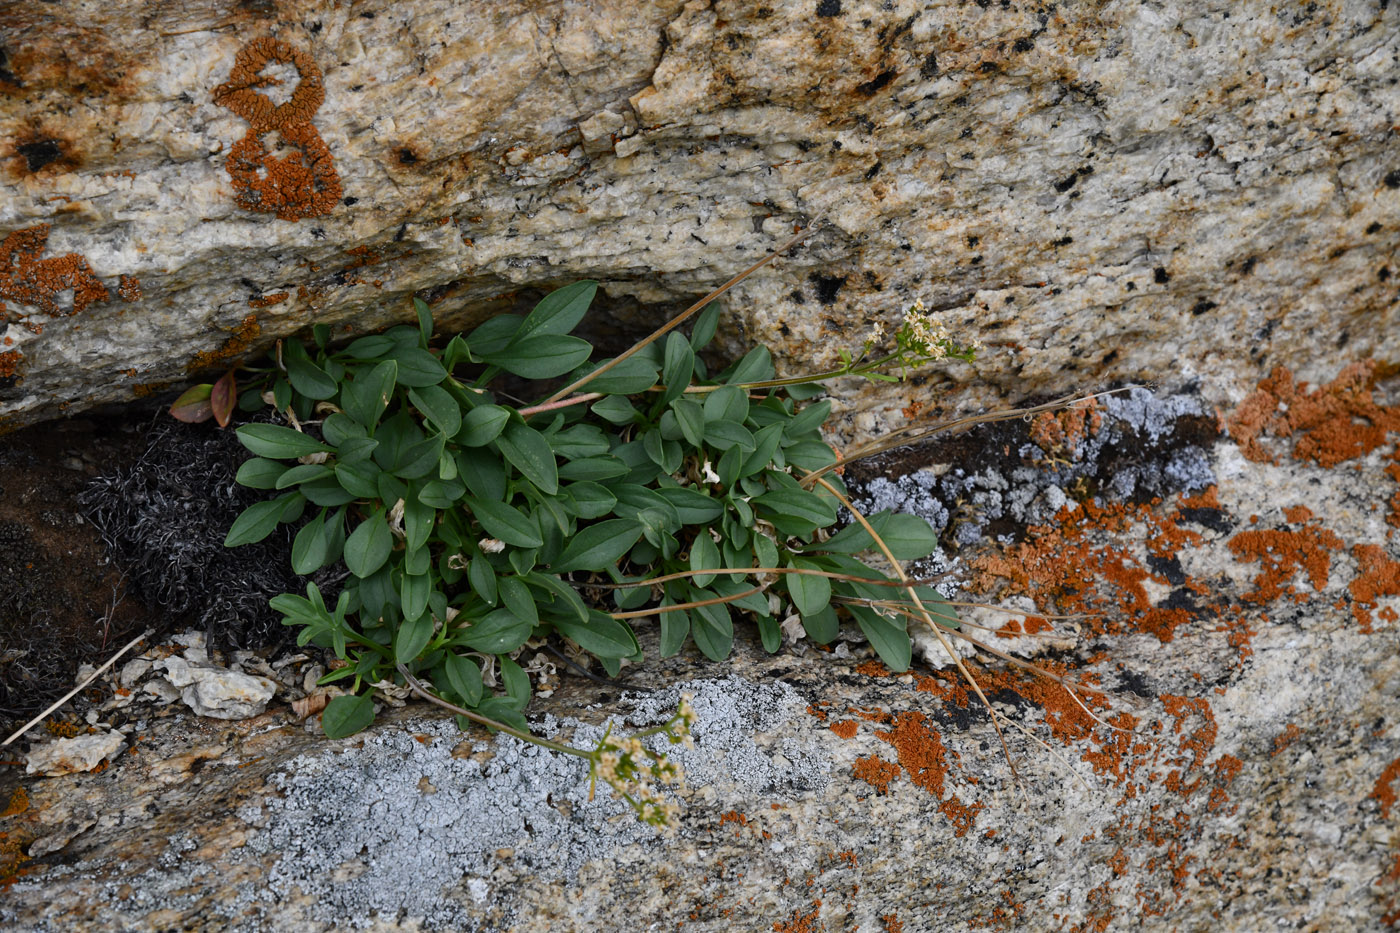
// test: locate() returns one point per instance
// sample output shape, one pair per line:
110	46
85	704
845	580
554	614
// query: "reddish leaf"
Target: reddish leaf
194	407
223	397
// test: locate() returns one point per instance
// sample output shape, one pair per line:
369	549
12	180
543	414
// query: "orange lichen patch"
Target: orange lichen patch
364	256
236	345
1060	432
267	301
1379	576
1298	514
876	771
1290	734
800	922
19	802
1102	581
920	751
9	364
1384	792
892	923
963	817
27	279
846	728
1031	625
129	287
1338	422
1067	720
1283	554
873	668
733	816
300	184
1199	741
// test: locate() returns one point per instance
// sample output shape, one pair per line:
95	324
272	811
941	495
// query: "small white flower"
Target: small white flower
709	474
491	545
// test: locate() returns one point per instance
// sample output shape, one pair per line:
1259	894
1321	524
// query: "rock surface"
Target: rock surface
1096	191
1237	644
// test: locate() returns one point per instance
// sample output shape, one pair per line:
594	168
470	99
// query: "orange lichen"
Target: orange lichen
920	751
9	364
267	300
19	802
1384	792
237	344
27	279
846	728
129	287
800	922
1058	433
1379	576
1283	554
963	817
292	187
876	771
1290	734
1335	423
892	923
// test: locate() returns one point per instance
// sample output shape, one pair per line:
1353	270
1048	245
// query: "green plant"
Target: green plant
470	525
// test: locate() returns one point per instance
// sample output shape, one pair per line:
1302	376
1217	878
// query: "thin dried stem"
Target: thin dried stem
74	692
639	613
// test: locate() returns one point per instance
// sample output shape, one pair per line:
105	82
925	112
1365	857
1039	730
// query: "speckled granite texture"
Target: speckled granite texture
1097	191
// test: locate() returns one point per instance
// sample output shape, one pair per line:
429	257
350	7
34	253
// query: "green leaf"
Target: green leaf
366	396
887	637
909	537
566	599
356	449
729	403
542	356
690	415
222	398
516	597
808	419
372	347
705	324
258	473
481	469
359	478
692	506
593	468
770	634
417	368
464	677
273	440
712	628
810	593
766	441
798	504
675	626
505	522
418	519
500	632
615	409
309	546
588	500
634	374
441	493
601	636
326	491
678	367
413	636
529	452
302	473
516	681
599	546
822	626
369	545
482	577
756	366
439	407
482	425
347	715
560	311
494	334
704	555
339	428
425	321
256	523
308	378
722	435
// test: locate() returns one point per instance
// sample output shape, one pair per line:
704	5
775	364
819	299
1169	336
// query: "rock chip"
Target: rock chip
216	691
69	756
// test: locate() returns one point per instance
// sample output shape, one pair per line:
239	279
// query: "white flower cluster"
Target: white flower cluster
636	773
